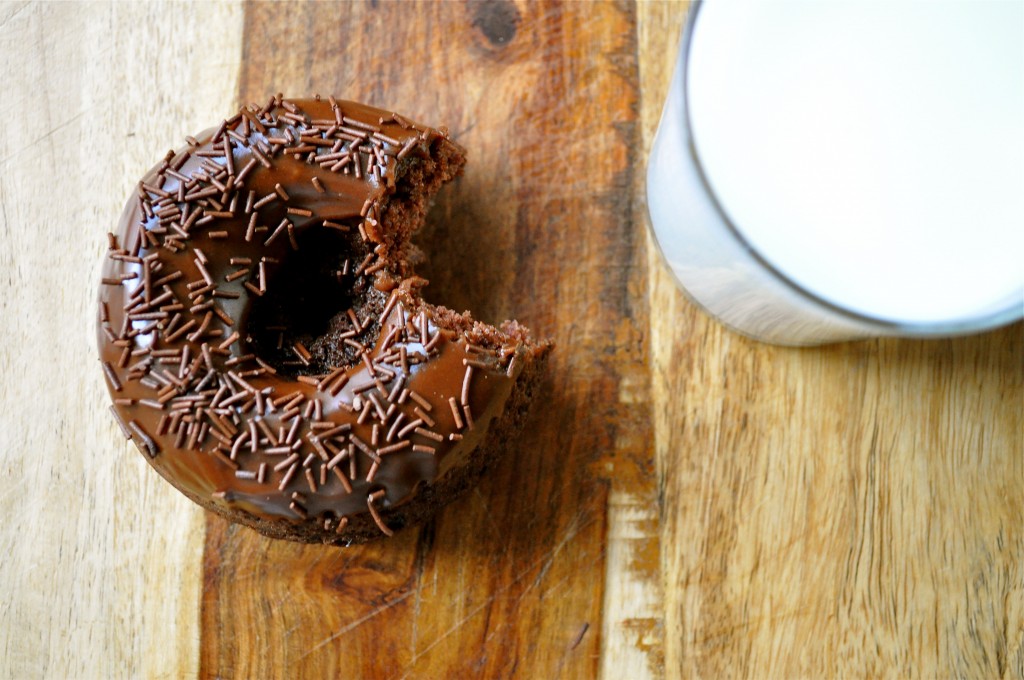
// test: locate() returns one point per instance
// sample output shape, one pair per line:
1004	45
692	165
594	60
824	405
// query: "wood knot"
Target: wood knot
498	20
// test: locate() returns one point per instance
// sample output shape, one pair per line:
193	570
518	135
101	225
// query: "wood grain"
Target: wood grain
853	510
509	582
686	503
101	566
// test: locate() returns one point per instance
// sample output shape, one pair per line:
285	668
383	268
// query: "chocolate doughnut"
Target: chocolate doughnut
263	339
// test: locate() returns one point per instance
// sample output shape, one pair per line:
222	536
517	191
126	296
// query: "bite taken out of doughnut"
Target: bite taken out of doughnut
263	339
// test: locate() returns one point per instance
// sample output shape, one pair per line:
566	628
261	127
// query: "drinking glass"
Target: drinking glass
707	224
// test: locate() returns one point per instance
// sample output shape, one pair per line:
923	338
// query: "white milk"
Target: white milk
872	152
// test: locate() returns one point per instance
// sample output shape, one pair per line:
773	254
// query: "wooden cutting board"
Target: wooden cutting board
683	503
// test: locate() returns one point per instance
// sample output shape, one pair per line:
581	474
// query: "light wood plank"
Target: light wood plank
101	558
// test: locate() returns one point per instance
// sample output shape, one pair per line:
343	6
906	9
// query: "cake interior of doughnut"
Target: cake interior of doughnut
319	296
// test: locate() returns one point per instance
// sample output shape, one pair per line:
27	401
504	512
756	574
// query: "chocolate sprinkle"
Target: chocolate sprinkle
371	502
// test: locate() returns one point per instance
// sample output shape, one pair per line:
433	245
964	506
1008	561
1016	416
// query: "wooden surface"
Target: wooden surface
686	503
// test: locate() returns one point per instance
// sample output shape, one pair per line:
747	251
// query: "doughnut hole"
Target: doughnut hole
306	306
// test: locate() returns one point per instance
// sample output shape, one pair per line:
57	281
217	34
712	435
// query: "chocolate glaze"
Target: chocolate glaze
208	451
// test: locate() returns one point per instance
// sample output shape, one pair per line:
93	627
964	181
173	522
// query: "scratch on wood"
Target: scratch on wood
44	137
458	624
414	637
358	622
544	562
488	514
579	636
16	12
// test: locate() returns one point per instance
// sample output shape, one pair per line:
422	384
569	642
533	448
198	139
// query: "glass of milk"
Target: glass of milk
829	170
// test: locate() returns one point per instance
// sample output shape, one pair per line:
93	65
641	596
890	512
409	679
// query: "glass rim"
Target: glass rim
1013	312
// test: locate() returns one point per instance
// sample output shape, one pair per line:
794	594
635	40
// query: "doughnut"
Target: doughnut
263	339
